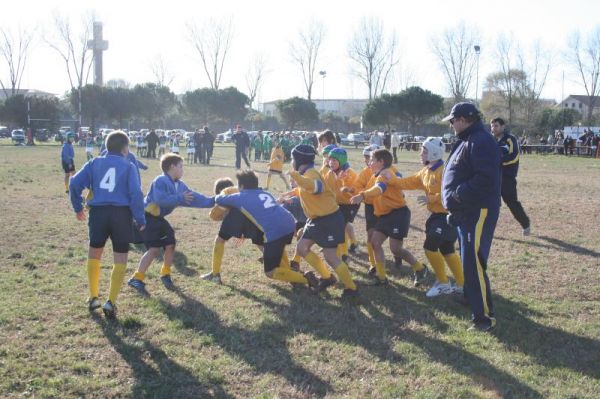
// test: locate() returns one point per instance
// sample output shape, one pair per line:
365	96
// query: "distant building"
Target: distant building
25	92
580	103
346	108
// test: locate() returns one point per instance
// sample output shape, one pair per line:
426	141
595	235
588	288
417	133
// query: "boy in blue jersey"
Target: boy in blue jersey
277	224
117	196
166	193
67	156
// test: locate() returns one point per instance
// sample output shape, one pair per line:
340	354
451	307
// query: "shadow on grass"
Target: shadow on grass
156	375
551	347
265	350
555	244
180	261
375	328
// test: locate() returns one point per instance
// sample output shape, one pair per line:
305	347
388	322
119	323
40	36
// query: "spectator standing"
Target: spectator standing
208	145
387	140
242	142
395	141
257	143
198	141
152	140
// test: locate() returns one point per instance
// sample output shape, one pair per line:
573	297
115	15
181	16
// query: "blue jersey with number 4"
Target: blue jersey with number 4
263	210
113	180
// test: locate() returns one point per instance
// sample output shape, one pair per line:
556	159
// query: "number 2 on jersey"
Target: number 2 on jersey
267	200
108	182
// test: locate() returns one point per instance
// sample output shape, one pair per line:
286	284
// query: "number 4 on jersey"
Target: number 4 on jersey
108	182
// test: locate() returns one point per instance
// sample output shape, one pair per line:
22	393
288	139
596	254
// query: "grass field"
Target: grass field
255	338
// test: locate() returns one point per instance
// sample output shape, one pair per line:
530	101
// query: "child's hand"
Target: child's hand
386	173
80	215
188	197
357	199
142	227
422	200
347	189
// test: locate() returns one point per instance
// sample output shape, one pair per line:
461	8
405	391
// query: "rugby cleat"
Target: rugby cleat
167	282
348	293
139	286
352	249
215	278
295	266
93	304
372	271
483	326
420	276
440	289
325	283
527	231
457	289
313	281
345	258
110	310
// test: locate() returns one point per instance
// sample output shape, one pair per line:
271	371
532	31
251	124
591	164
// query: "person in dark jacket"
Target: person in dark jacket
471	193
509	146
208	145
152	140
242	142
198	142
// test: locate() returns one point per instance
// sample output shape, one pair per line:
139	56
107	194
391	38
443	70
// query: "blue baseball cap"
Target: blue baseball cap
461	110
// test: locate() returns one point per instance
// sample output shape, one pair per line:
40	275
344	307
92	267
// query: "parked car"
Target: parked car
224	137
4	132
18	136
355	139
42	134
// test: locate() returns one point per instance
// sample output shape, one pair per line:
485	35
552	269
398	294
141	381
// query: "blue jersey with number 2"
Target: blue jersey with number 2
263	210
113	181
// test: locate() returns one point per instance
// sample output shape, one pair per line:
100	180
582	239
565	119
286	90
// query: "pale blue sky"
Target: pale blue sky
139	30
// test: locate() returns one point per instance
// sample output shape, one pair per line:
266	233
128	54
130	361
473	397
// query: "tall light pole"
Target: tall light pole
477	52
323	74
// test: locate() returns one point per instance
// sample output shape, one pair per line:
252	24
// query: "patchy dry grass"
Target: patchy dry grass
255	338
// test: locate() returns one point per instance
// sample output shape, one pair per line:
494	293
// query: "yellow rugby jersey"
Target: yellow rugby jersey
324	169
428	179
218	213
362	183
385	193
347	178
277	158
316	197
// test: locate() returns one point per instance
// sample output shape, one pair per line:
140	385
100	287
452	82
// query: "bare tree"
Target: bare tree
373	54
161	71
584	56
254	76
455	51
15	51
305	51
509	77
212	41
73	50
536	68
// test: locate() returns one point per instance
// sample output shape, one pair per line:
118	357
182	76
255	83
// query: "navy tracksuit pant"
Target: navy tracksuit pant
509	196
475	234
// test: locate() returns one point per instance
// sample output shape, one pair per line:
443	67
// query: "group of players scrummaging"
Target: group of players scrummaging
322	207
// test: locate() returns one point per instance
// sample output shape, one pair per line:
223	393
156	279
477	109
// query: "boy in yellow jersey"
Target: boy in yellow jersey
393	216
361	183
276	165
325	223
233	224
339	177
325	153
440	236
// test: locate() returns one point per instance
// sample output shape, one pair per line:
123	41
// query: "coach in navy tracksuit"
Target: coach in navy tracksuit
471	193
509	145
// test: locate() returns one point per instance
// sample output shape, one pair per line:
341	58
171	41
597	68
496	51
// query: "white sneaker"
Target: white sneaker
457	289
439	289
527	231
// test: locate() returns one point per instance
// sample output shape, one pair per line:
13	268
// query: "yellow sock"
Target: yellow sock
139	276
317	264
353	241
116	281
345	245
288	275
285	262
439	266
67	185
217	258
297	258
165	270
455	265
417	266
343	274
380	270
339	251
93	269
268	181
371	254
